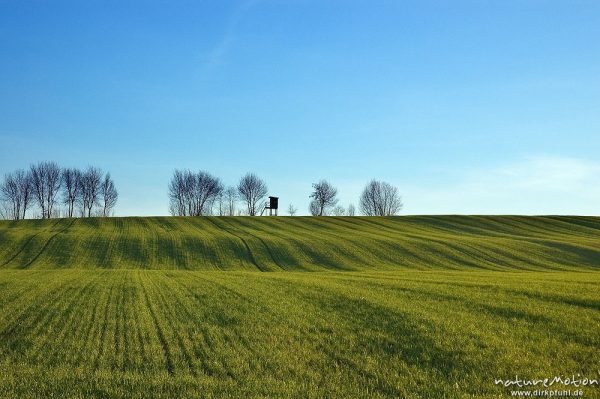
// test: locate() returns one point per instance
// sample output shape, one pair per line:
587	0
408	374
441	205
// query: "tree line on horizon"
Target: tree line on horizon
41	190
202	194
45	190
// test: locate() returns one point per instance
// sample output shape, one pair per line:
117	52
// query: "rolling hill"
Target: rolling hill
304	243
427	306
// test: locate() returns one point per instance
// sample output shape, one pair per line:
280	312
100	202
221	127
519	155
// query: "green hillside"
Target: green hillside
304	243
429	306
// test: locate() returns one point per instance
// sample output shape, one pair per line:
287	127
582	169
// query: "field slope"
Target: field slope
304	243
402	307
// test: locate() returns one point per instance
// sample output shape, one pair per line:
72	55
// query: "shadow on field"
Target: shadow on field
27	242
584	255
249	253
508	313
558	299
391	337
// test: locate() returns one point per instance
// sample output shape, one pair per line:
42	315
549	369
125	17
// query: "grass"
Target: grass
134	333
427	307
305	243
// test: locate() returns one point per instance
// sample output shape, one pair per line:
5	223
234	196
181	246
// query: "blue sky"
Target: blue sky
469	107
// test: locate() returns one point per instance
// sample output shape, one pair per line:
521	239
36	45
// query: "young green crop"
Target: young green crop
304	243
143	333
427	306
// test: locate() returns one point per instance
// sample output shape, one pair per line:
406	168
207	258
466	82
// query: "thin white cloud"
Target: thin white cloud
534	185
216	56
218	53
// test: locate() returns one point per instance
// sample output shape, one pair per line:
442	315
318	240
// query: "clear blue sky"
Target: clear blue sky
466	106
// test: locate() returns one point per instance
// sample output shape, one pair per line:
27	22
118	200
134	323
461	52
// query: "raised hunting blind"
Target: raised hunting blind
272	205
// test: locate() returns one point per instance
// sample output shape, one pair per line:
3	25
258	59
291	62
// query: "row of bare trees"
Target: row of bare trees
377	199
200	193
45	186
193	194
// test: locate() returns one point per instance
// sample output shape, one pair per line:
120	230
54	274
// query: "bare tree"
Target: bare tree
71	184
90	189
207	188
38	184
325	196
53	183
109	195
209	207
292	210
221	203
314	208
25	190
380	199
231	197
339	211
177	197
46	182
193	194
3	209
351	210
16	191
252	191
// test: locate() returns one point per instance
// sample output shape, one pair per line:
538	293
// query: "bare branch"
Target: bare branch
314	208
252	191
292	210
109	195
380	199
231	197
351	210
325	197
193	194
339	211
90	189
46	182
71	184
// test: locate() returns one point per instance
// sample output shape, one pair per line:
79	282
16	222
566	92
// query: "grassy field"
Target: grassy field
134	333
427	307
305	243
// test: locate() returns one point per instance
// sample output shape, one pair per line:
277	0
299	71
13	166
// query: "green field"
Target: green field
305	243
432	307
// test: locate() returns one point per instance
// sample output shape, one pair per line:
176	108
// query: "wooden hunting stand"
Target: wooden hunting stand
271	205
